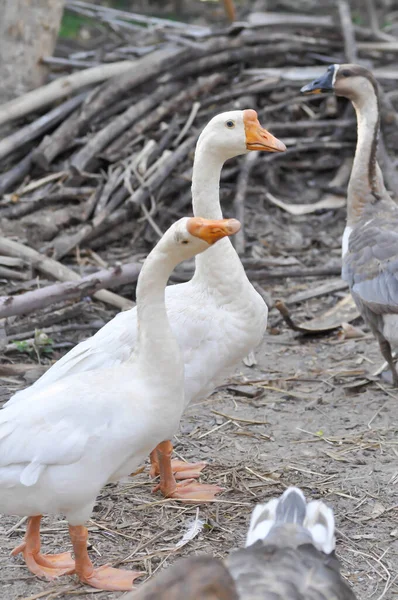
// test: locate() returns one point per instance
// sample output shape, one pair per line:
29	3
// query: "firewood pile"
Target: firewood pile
96	164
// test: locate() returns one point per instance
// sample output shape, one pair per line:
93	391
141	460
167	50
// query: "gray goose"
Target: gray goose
289	555
370	240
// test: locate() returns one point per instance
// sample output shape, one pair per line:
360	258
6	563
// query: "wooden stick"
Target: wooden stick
21	209
120	124
36	128
374	23
229	10
15	174
46	318
37	299
350	48
45	95
53	268
239	200
203	86
142	193
144	69
234	55
11	274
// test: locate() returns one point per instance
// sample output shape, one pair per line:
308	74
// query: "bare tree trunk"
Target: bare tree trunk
28	31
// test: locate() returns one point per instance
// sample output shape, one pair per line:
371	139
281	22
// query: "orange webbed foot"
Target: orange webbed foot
186	470
192	491
110	579
180	469
49	566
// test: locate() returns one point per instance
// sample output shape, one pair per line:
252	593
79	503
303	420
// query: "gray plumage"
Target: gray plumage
370	241
289	556
290	562
370	266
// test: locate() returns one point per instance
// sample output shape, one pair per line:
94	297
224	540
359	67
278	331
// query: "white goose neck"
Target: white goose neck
157	350
221	259
206	182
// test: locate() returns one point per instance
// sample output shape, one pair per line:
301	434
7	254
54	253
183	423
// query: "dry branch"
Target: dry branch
40	126
203	86
69	290
28	206
43	96
142	70
15	174
120	124
239	201
53	268
348	31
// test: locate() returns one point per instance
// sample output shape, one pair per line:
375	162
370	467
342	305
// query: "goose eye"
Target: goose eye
184	242
345	73
230	124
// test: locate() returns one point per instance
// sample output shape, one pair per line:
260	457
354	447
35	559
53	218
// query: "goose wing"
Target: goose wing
51	427
370	266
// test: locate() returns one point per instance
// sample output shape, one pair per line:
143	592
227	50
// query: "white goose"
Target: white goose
217	317
61	444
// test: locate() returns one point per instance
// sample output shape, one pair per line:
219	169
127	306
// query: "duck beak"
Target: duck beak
258	138
212	230
322	84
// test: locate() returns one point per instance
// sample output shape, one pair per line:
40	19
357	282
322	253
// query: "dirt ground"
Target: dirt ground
304	426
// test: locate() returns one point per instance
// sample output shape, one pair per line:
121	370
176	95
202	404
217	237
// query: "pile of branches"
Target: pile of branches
103	153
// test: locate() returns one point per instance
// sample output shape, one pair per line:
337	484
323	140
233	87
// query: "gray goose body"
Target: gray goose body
370	241
277	572
289	556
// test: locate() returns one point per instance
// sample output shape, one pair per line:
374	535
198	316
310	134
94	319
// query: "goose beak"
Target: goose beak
212	230
258	138
322	84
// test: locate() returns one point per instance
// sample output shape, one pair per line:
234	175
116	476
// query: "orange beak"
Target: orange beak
212	230
258	138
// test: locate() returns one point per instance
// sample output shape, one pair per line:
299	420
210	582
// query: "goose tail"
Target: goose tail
315	519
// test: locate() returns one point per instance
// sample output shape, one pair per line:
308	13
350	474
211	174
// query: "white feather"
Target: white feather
319	521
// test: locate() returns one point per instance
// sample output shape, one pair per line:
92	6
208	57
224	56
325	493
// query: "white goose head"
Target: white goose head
192	235
237	132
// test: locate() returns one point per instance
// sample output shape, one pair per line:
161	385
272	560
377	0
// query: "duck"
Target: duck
289	554
217	317
62	444
370	238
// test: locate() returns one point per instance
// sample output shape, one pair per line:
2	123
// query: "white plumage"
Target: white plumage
217	317
60	444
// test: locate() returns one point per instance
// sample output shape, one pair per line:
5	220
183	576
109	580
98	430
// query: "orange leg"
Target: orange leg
229	9
103	578
180	468
50	566
188	490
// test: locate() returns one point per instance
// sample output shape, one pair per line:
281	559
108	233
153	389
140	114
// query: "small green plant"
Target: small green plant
41	344
22	346
357	19
71	23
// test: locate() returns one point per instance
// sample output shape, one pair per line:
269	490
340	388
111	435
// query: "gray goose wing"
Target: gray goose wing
370	266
